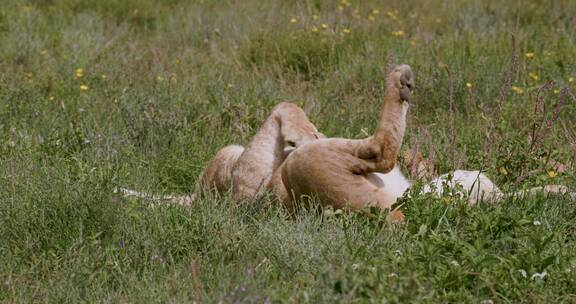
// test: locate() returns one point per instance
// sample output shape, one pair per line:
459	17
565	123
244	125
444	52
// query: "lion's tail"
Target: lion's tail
155	199
548	189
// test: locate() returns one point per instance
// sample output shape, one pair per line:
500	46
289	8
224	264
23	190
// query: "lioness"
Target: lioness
339	172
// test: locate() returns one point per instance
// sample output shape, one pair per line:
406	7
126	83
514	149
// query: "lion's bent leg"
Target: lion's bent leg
265	153
384	146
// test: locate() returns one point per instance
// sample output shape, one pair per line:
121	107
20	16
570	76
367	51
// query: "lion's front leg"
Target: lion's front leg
384	146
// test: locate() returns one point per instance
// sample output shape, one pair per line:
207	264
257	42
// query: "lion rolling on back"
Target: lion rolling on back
339	172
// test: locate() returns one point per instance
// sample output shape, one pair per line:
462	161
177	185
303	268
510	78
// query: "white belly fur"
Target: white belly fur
393	182
473	185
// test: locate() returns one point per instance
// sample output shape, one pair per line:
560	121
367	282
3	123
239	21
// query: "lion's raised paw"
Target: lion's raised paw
402	80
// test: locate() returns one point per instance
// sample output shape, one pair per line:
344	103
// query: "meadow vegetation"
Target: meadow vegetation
141	93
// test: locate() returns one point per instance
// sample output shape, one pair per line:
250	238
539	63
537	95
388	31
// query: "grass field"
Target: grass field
141	93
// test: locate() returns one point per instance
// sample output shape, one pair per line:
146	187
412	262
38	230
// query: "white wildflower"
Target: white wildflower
539	275
328	212
523	272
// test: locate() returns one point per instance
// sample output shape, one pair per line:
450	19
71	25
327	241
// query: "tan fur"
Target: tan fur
334	170
247	171
217	176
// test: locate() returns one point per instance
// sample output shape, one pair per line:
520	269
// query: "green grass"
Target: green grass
170	82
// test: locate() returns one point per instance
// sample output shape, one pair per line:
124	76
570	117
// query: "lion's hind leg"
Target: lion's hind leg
218	173
286	125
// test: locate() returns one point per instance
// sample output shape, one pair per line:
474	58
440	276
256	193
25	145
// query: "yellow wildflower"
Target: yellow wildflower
375	12
324	25
43	52
556	91
51	98
552	173
345	2
392	14
79	72
529	55
346	31
159	78
503	171
103	76
371	18
315	17
518	90
293	20
314	29
84	87
413	42
571	79
534	76
468	85
398	33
